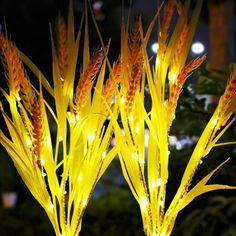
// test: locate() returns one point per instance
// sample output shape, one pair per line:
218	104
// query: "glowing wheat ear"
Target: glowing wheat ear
147	175
63	183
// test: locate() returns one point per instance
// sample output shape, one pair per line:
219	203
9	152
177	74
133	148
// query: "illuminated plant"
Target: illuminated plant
62	167
147	174
61	178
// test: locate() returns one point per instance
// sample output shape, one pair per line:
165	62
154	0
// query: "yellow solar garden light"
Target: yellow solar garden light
60	169
147	175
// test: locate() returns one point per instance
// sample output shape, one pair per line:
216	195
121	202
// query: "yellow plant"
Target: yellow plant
61	178
62	167
147	174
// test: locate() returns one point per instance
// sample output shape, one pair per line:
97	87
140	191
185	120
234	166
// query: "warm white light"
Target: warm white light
131	118
18	98
197	48
143	203
51	206
84	202
137	129
142	162
80	177
135	156
155	47
44	174
157	183
104	155
172	77
122	100
215	121
146	138
42	161
91	137
77	117
28	141
200	162
157	61
60	138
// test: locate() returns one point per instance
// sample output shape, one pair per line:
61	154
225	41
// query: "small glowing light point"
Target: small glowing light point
77	117
65	192
62	79
157	183
214	121
135	156
51	206
137	129
44	174
142	162
168	153
28	141
157	61
84	202
131	118
172	77
42	162
104	155
18	98
162	203
143	203
91	137
60	138
122	100
200	162
197	48
80	177
155	47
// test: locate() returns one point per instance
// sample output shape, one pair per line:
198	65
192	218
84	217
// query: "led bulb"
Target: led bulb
91	137
135	156
214	122
157	183
77	117
28	141
51	206
122	100
84	202
131	118
143	203
172	77
104	155
137	129
42	162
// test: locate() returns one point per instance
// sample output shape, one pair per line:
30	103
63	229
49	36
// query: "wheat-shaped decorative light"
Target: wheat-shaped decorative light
60	178
147	176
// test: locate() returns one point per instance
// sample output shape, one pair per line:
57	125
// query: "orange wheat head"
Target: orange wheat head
87	79
136	65
61	46
176	88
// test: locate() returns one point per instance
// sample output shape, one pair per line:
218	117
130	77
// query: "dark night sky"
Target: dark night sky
28	22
